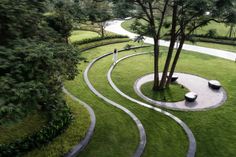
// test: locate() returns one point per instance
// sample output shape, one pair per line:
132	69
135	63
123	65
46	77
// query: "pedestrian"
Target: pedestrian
115	55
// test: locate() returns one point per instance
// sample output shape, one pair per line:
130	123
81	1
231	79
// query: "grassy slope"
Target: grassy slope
174	93
115	131
72	135
221	30
26	127
215	130
80	35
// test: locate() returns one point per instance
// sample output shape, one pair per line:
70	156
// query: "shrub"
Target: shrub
61	118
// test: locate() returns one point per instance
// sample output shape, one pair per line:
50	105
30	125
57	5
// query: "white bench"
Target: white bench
214	84
190	96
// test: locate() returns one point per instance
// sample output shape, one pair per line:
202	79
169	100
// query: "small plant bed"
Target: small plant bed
174	93
72	135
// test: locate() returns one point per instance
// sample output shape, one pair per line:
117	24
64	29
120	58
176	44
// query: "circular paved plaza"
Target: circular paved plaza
207	97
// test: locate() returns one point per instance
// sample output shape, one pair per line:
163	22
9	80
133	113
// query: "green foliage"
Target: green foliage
19	19
32	74
60	119
75	132
90	40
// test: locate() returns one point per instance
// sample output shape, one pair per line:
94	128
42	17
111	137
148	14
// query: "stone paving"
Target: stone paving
207	97
115	27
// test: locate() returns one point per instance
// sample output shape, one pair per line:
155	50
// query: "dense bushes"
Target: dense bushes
32	74
61	117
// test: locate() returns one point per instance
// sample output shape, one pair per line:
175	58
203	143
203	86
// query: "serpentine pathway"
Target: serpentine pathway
78	148
142	143
142	133
115	27
191	139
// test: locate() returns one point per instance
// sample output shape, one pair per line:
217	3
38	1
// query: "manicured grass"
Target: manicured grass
174	93
32	123
80	35
72	135
214	130
116	134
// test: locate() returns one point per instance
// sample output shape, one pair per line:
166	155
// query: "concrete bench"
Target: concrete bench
214	84
190	96
174	78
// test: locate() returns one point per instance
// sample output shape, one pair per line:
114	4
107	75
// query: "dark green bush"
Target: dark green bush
60	119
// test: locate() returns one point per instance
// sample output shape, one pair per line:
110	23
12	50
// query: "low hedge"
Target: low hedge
88	46
89	40
217	40
61	118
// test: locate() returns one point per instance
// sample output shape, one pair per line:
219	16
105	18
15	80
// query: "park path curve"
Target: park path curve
142	134
115	27
191	139
79	147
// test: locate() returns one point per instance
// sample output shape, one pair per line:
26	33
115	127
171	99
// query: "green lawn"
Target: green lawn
221	29
115	132
174	93
72	135
81	35
214	130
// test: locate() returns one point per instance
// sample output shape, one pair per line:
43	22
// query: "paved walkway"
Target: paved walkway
207	98
79	147
142	134
115	27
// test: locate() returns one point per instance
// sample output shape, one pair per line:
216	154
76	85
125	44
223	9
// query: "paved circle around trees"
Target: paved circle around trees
207	98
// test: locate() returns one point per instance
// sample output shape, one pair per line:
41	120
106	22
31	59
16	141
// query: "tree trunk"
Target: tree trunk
171	48
156	64
172	70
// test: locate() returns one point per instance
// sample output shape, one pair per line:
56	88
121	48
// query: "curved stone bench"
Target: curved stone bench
214	84
190	96
173	78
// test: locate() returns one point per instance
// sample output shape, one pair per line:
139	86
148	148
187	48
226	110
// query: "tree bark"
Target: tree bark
171	47
156	65
172	70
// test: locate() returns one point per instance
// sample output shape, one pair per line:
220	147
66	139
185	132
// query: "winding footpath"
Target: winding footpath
142	134
191	139
79	147
115	27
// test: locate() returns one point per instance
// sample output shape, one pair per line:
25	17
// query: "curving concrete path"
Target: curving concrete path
192	142
207	98
142	133
115	27
78	148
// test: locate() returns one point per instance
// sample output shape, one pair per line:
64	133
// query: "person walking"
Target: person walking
115	55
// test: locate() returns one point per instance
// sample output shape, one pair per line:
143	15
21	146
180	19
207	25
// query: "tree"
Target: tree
32	73
97	12
187	16
191	17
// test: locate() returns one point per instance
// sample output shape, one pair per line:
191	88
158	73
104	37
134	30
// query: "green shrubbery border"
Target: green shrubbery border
61	118
89	40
